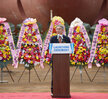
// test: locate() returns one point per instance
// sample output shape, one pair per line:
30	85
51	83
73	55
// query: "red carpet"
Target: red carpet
47	96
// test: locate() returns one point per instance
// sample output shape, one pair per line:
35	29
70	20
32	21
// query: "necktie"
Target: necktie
60	39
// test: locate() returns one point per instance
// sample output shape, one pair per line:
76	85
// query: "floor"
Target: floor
100	83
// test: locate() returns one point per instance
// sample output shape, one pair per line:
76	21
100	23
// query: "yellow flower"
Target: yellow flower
27	42
5	42
25	29
54	34
77	52
29	56
99	34
23	36
33	45
72	54
102	63
29	34
103	29
25	39
1	27
33	29
95	61
45	61
4	56
7	48
73	63
25	45
79	63
102	50
34	40
4	60
29	49
22	56
37	57
6	33
59	19
85	62
103	37
82	63
6	37
45	52
78	37
35	36
100	57
78	29
31	62
83	39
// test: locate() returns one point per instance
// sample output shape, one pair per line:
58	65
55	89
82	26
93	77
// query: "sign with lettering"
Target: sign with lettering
61	48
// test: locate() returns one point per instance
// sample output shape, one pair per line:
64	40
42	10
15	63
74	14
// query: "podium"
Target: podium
61	76
61	71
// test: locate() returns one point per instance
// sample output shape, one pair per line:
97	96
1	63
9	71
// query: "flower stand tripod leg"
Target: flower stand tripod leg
21	74
96	74
104	74
9	73
2	81
87	73
80	68
47	73
37	74
2	66
74	72
29	76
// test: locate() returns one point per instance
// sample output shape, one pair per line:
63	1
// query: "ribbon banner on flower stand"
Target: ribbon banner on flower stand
99	49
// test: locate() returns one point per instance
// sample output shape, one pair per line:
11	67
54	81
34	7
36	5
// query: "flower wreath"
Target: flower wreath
7	47
56	20
29	44
79	36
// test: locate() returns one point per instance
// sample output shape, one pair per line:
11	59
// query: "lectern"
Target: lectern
61	73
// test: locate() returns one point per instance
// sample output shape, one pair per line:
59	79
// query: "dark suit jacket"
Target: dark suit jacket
55	40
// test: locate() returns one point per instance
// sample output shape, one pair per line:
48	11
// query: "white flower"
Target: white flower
26	65
36	63
76	22
0	58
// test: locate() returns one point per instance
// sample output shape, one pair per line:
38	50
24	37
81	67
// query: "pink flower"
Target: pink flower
29	61
103	21
2	20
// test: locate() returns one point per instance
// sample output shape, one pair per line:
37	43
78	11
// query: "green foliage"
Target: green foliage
92	29
12	26
87	26
67	28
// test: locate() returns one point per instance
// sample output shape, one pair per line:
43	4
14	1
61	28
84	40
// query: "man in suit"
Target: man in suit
59	38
